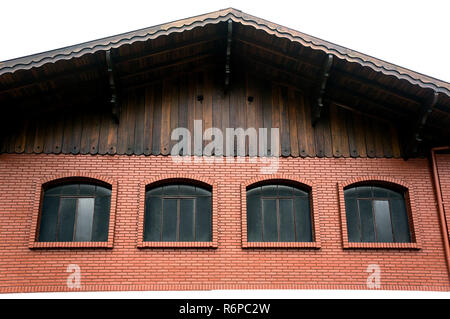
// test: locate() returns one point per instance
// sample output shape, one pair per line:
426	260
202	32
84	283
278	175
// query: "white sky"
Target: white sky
413	34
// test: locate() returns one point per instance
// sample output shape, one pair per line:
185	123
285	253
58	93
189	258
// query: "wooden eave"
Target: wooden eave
216	17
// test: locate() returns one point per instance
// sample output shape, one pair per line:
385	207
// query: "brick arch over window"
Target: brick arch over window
77	176
390	183
177	178
281	179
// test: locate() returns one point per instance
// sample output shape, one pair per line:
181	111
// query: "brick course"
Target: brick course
229	265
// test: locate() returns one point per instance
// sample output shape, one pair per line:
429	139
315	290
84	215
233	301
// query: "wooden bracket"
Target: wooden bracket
423	114
325	74
114	100
228	55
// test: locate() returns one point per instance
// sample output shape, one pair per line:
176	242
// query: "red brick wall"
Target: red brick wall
443	164
229	266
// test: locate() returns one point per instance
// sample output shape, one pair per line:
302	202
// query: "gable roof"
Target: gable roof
40	59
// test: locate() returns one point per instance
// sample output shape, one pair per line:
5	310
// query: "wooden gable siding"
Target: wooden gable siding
150	113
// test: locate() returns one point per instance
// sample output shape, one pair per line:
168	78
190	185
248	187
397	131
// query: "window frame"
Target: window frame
174	179
283	180
76	177
389	183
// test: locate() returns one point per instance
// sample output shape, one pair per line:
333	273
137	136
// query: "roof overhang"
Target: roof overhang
37	60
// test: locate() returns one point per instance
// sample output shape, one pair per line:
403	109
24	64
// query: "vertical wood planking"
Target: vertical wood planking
38	145
149	103
11	139
207	103
379	149
76	134
149	115
276	121
165	117
95	133
306	135
284	122
267	96
360	135
386	139
225	109
49	127
86	128
251	111
103	133
319	138
31	130
241	107
352	139
139	122
218	102
191	107
174	111
112	136
396	151
327	137
292	116
21	137
369	137
67	133
156	135
198	110
339	136
130	122
122	127
58	134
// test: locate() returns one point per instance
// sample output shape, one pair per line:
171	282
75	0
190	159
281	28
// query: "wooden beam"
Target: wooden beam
339	93
159	66
325	74
416	134
66	75
114	99
167	49
299	78
228	54
311	63
86	88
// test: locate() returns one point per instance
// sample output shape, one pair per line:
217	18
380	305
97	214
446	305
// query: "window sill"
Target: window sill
348	245
177	244
37	245
281	245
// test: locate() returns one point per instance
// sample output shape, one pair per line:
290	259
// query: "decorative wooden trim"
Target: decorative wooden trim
314	216
37	205
410	205
173	178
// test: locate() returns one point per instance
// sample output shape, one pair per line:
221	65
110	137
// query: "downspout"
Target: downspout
442	219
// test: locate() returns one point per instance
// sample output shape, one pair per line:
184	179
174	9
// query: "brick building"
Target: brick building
339	180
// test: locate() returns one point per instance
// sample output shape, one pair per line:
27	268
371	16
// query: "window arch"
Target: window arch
178	211
377	213
278	211
75	210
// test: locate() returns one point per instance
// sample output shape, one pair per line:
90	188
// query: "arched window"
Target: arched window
75	212
278	213
376	214
178	212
